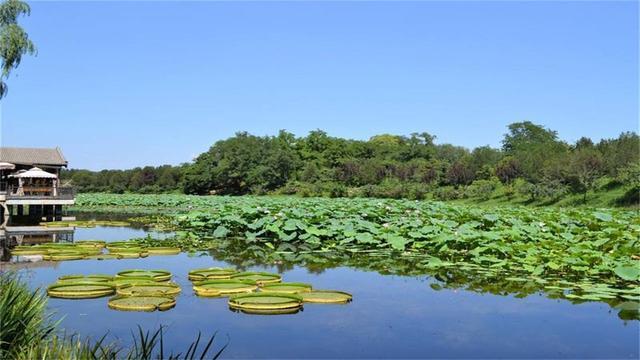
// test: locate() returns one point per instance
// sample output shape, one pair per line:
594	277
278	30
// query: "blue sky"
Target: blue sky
123	84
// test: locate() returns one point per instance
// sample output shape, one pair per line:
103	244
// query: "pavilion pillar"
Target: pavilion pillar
48	212
57	212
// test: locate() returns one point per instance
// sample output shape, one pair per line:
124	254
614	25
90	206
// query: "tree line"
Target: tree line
531	162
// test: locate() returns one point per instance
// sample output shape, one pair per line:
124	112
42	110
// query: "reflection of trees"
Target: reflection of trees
469	277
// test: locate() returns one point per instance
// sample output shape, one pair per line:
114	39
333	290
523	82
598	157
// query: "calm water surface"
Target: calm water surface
390	316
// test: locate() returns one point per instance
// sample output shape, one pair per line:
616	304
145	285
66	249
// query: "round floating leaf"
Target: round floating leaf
267	312
156	275
326	297
142	303
99	244
157	288
265	301
102	257
57	224
125	281
85	278
211	274
111	223
80	290
64	255
163	250
286	288
121	244
129	253
259	277
213	288
628	272
29	250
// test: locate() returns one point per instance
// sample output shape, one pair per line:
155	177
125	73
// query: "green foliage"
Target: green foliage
146	180
22	316
482	189
533	163
575	245
14	41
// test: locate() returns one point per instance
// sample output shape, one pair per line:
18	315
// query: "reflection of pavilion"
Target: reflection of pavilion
12	236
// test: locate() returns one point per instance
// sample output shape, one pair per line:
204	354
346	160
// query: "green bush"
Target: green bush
482	189
446	193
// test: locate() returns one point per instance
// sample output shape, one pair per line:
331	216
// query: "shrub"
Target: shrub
482	189
446	193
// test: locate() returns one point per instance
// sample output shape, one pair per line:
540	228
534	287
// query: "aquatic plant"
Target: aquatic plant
259	278
27	333
22	315
155	275
213	288
146	302
80	290
326	296
286	288
211	274
265	301
156	288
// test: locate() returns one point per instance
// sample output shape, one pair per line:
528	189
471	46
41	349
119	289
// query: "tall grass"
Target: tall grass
27	332
23	321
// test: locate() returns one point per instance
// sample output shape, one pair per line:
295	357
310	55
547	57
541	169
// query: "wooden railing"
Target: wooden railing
40	192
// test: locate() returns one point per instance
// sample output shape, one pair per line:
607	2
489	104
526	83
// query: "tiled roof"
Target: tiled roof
32	156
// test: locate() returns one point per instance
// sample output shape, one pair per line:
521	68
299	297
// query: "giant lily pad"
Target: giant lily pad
157	288
80	290
129	253
142	303
211	274
29	250
156	275
265	301
286	288
85	278
102	257
99	244
130	280
121	244
260	278
326	296
163	250
211	288
64	256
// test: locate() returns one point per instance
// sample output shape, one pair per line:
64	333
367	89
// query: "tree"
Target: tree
532	146
507	170
14	41
585	168
460	173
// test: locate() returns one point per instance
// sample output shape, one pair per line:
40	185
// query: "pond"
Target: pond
390	316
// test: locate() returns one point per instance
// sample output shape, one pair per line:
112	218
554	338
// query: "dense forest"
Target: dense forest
533	163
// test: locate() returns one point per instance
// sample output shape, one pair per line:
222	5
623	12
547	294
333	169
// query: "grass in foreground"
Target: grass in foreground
28	332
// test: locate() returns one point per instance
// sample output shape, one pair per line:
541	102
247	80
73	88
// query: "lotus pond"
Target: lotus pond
401	307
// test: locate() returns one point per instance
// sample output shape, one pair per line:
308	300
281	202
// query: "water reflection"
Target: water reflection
13	236
468	277
400	309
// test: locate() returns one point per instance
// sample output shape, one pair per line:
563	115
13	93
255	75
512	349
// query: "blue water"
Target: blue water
390	316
